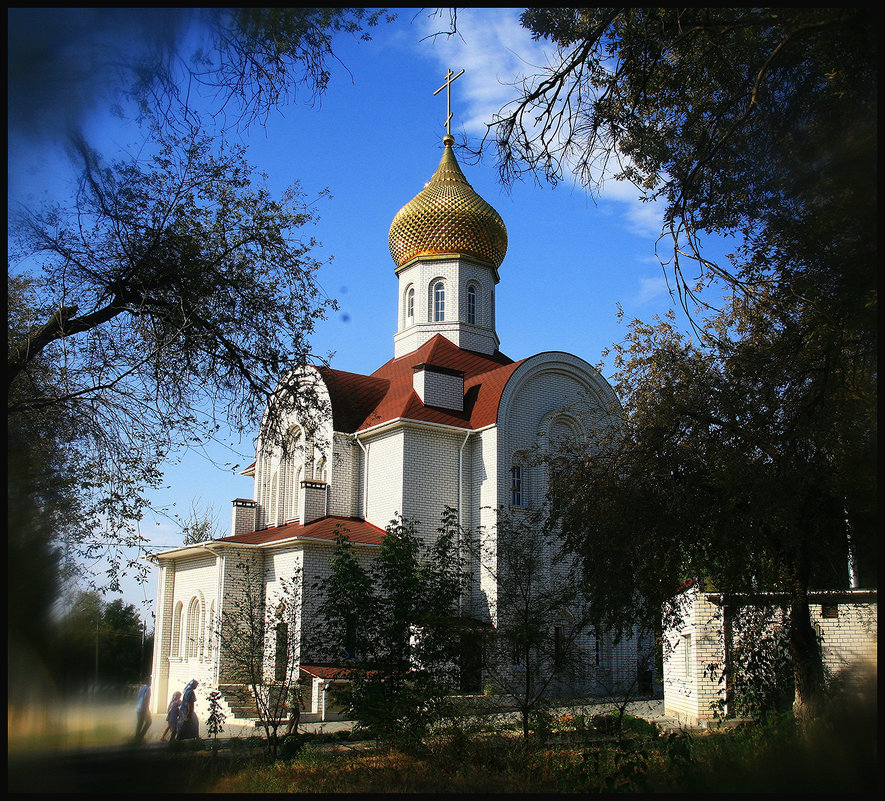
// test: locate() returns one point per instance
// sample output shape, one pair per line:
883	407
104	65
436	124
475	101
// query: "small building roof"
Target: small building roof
328	672
327	528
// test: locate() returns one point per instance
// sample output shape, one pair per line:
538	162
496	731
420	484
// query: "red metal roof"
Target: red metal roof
360	402
327	528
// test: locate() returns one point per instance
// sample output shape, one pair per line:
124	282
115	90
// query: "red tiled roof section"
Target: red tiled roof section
326	671
353	397
327	528
360	402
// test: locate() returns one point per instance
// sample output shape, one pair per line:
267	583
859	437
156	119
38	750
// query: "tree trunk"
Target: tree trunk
808	671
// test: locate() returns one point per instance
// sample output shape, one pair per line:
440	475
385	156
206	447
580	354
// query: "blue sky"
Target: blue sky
373	142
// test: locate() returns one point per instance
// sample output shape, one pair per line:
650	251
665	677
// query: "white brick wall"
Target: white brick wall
848	640
243	516
439	389
384	488
456	274
186	579
851	638
688	695
430	475
344	477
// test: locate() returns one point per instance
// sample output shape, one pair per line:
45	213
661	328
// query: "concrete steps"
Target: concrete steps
240	701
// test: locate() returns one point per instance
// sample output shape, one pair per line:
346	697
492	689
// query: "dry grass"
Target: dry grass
396	772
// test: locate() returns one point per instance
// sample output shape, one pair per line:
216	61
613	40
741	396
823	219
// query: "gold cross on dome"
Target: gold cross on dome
450	78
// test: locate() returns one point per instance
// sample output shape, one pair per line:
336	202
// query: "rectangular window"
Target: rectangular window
557	649
516	489
687	655
829	610
281	657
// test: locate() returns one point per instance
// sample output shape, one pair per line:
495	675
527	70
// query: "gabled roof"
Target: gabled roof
327	528
360	402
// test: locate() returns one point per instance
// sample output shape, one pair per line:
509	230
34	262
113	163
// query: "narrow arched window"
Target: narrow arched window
272	514
517	486
293	454
410	306
210	630
175	645
439	302
471	304
296	489
193	632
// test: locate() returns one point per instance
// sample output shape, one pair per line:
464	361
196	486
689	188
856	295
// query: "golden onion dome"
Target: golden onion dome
447	216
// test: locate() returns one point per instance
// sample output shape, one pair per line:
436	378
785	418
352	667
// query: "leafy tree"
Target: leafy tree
539	646
740	120
38	512
738	463
393	627
100	643
120	301
253	627
126	335
743	451
200	525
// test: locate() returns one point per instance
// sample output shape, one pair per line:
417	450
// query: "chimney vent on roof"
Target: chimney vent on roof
439	386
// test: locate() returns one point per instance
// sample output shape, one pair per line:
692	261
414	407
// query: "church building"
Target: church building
449	420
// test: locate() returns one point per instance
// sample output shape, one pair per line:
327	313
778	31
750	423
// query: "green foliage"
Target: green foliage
40	513
639	726
126	340
393	628
99	643
200	525
759	758
215	721
740	120
759	673
732	464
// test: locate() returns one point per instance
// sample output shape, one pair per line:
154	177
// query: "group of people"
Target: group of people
181	719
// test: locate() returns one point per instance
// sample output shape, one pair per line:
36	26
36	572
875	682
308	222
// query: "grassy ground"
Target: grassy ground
773	757
578	755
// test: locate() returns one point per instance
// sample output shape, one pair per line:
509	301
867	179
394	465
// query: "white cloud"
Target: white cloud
494	51
651	288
